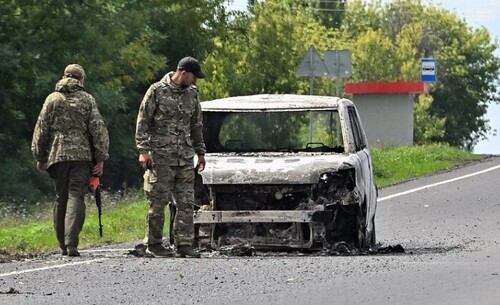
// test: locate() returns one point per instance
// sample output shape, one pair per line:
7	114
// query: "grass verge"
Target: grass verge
123	220
397	164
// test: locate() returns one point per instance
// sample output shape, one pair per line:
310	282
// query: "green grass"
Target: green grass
397	164
124	218
123	221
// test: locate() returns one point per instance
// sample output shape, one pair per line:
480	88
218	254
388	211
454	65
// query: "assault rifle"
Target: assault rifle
94	185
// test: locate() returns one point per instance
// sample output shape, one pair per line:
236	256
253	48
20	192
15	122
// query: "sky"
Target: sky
484	13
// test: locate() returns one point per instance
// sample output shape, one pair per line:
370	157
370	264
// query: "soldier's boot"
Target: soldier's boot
158	250
187	251
72	251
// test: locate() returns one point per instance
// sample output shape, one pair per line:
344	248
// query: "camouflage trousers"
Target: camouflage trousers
71	181
174	184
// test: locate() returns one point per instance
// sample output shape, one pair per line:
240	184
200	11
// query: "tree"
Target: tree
122	45
260	53
329	13
55	33
427	129
374	57
467	65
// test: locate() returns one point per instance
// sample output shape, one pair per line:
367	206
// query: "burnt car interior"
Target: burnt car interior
295	131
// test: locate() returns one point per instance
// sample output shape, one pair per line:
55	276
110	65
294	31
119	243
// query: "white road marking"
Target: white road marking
436	184
106	250
51	267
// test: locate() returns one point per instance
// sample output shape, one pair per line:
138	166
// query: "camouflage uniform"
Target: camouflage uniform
169	128
68	119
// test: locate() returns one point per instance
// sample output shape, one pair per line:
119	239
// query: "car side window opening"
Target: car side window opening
356	131
278	131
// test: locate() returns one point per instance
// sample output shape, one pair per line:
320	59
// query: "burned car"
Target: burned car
286	171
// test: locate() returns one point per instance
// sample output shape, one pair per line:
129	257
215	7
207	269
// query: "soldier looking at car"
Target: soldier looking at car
168	135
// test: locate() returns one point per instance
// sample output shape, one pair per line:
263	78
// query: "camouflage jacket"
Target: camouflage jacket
169	123
68	120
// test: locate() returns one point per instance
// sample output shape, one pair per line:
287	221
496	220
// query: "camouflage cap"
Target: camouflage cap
192	65
74	71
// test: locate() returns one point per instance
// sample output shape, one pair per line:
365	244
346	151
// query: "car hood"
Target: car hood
272	169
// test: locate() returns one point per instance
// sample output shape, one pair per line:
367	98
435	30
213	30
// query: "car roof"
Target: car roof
273	102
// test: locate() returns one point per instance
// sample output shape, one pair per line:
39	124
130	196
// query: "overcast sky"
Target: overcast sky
477	14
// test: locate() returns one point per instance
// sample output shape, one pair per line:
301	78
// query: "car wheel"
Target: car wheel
373	239
363	239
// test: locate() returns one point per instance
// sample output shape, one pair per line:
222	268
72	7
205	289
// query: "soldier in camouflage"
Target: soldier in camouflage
168	135
68	122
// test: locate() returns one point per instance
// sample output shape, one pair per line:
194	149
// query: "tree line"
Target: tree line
125	46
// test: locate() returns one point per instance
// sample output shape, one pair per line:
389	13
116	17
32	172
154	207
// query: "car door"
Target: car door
366	172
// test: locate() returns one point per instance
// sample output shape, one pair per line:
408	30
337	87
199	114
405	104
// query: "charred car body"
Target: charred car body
286	171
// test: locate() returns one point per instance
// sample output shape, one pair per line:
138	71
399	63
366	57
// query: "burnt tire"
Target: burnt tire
373	239
361	226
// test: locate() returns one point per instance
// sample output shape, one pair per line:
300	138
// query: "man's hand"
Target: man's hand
40	166
143	160
201	163
98	169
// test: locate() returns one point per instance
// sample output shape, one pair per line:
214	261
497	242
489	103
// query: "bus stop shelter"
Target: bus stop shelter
386	110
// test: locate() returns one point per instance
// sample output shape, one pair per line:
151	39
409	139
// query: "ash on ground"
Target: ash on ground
246	249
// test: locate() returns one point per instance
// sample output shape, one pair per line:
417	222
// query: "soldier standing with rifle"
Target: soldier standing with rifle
168	135
68	123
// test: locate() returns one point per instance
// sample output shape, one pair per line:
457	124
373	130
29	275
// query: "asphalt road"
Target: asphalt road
448	224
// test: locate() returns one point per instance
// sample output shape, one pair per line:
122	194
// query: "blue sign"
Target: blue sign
428	70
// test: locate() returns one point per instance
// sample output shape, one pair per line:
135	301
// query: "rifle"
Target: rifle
94	185
95	188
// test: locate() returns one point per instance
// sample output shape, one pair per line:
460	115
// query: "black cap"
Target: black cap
192	65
